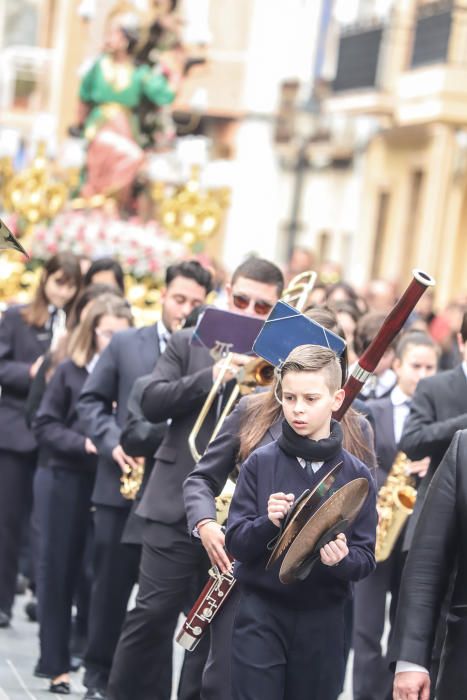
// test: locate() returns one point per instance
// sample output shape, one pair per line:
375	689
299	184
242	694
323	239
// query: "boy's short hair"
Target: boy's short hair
414	338
260	270
192	270
105	264
315	358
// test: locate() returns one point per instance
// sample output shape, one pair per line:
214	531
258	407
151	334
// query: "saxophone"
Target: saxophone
130	482
396	500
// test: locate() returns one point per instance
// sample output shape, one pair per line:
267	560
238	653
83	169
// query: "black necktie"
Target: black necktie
309	468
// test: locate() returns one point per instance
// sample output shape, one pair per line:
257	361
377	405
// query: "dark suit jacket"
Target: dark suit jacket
385	441
139	438
20	345
180	384
129	354
57	427
438	410
207	480
439	543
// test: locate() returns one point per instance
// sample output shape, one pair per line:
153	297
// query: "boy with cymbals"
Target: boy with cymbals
288	640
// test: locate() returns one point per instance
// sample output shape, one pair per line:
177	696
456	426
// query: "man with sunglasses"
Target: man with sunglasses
173	569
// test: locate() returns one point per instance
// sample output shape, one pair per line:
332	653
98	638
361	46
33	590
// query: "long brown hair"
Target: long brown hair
37	312
82	344
263	410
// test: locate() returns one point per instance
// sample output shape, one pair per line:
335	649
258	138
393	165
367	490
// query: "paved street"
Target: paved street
18	656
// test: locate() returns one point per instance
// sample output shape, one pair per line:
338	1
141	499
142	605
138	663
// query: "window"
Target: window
380	232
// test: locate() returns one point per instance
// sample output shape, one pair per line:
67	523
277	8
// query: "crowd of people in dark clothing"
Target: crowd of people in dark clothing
87	398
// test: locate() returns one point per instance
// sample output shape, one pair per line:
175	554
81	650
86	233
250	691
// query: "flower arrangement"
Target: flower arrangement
143	249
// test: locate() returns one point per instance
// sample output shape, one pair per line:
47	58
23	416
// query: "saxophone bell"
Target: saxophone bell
396	501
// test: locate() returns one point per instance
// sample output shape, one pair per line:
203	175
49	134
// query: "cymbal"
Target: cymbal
300	513
8	240
333	516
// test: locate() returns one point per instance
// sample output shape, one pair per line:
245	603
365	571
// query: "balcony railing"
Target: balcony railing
432	32
359	57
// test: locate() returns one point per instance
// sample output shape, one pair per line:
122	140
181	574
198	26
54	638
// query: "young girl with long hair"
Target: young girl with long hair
25	335
64	484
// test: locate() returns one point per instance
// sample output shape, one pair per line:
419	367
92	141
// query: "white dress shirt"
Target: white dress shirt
401	410
92	363
163	334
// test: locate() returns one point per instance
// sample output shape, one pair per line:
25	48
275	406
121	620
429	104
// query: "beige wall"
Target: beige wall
427	212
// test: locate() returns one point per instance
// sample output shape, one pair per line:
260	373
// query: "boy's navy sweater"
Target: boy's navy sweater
269	470
57	427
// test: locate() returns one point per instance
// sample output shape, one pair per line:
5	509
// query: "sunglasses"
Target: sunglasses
261	307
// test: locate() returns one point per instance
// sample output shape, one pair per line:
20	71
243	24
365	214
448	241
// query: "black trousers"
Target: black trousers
171	573
63	502
372	679
279	653
16	477
115	573
216	683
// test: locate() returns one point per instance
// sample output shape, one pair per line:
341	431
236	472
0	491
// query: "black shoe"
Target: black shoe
38	673
4	619
62	688
94	694
75	663
31	610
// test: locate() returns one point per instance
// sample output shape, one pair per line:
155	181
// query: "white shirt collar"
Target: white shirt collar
163	335
92	363
398	398
464	367
162	330
314	465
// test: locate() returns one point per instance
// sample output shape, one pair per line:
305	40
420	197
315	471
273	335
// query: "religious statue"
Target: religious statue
112	92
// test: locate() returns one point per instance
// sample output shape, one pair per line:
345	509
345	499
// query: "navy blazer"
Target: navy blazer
208	478
57	426
438	410
270	470
130	354
20	346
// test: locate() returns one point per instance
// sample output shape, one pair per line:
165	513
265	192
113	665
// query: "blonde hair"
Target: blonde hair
82	345
312	358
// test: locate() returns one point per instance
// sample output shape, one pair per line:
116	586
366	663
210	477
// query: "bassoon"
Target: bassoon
219	586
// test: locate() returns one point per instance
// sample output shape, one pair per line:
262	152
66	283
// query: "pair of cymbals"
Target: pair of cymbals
303	537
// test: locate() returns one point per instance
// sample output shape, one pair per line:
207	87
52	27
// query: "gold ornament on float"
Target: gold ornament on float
32	194
192	215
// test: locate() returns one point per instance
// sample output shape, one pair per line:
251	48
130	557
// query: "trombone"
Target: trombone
299	288
256	373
